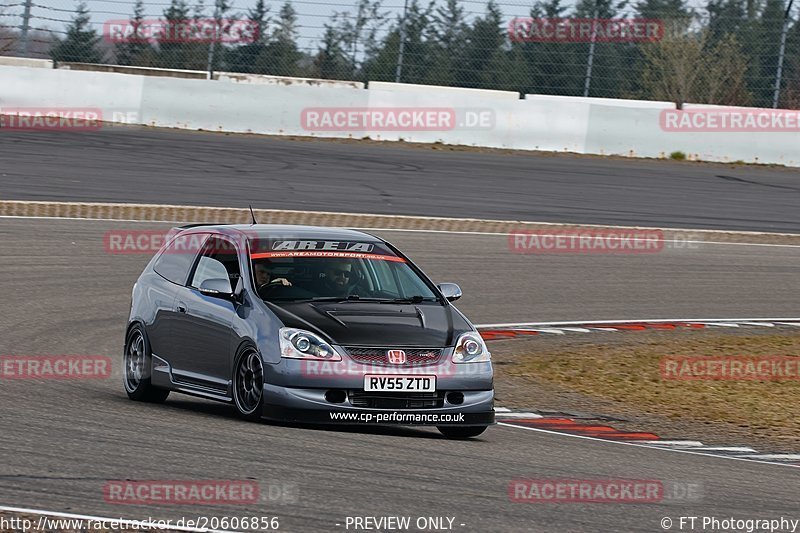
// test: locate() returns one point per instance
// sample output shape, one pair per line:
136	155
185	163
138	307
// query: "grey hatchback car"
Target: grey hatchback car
305	324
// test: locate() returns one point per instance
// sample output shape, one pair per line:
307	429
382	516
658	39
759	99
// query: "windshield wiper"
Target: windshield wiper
410	300
350	298
357	298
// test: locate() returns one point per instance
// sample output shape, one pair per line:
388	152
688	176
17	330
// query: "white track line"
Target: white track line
650	446
488	233
122	521
529	325
678	443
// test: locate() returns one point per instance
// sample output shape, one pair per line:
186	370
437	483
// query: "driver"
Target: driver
263	274
337	278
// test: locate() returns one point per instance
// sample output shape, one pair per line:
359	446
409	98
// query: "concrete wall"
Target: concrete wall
498	119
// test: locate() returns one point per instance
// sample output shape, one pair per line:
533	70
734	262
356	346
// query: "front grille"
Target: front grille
378	357
396	400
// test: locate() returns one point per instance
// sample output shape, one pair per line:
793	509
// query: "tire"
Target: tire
248	384
461	432
137	367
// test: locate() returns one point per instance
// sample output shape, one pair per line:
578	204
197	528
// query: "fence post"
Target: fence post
590	61
26	22
781	53
399	70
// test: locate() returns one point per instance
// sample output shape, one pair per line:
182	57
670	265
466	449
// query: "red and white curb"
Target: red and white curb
520	330
598	428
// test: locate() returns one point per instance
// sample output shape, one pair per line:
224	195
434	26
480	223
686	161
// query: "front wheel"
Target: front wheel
137	362
461	432
248	384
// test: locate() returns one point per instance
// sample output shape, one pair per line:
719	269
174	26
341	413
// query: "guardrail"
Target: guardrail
387	111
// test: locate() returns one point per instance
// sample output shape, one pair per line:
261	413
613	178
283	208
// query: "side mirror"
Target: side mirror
451	291
217	288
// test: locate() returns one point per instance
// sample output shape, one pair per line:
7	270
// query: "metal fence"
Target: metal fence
729	52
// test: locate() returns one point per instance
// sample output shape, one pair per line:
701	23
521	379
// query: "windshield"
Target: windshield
335	271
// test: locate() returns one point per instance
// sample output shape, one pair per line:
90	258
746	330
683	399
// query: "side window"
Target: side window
177	258
385	277
217	261
411	285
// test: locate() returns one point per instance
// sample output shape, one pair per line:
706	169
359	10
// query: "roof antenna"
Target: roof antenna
253	215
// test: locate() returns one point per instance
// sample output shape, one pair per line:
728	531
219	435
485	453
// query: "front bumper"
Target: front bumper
295	391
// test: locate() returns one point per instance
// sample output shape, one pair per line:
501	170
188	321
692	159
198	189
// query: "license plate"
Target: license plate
395	383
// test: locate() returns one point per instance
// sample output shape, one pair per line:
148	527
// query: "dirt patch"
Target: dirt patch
619	375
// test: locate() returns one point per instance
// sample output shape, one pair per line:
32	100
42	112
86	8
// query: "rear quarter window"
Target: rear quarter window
177	258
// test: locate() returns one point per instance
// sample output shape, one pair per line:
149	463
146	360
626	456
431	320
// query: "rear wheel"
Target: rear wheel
248	384
461	432
138	366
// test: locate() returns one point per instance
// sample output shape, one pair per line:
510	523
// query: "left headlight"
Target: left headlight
470	348
301	344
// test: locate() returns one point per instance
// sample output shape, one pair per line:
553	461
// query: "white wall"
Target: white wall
537	122
39	87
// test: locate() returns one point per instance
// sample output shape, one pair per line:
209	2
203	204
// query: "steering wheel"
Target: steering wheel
267	288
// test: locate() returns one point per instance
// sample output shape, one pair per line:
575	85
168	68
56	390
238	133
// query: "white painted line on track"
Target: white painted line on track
678	443
530	325
652	447
506	414
775	456
485	233
733	449
122	521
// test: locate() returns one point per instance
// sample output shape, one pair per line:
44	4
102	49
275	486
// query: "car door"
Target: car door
203	330
171	272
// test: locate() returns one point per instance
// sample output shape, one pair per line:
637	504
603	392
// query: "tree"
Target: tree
552	68
80	44
485	37
7	38
331	61
361	28
763	47
726	16
447	35
221	27
694	69
172	46
280	56
381	63
663	9
134	50
243	57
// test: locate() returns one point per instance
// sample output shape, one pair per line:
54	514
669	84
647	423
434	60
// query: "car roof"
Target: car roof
284	231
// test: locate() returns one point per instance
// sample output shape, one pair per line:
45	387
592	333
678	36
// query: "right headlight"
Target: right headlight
302	344
470	348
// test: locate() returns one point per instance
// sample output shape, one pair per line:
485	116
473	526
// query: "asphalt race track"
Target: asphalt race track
62	440
128	164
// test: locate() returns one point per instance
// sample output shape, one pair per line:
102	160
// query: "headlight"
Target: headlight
301	344
470	348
